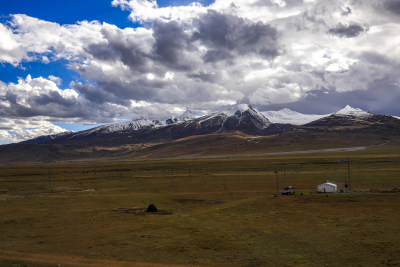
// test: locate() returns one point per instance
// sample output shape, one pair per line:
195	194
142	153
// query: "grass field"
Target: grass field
213	212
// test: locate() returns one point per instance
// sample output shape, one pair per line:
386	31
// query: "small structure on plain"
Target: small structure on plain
327	187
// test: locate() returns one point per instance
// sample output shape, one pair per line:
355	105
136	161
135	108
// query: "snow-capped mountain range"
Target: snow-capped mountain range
283	116
292	117
242	118
349	111
187	117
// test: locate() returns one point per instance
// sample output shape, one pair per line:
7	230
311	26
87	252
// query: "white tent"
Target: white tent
327	188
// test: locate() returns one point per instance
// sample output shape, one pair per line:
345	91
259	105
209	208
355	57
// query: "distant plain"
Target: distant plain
213	211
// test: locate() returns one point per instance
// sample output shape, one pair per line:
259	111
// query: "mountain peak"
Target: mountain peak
288	116
239	108
350	111
187	115
243	107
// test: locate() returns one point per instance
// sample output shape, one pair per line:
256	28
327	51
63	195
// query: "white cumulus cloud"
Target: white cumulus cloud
266	53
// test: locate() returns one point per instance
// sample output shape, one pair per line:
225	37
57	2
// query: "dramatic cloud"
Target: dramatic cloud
392	6
227	33
170	43
348	31
304	54
10	50
17	130
36	97
146	11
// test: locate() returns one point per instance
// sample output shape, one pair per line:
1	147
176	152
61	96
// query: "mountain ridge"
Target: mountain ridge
239	118
235	131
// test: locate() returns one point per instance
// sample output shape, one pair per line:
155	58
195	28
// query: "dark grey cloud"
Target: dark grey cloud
53	97
348	31
94	93
40	97
267	3
205	76
102	52
170	43
44	106
393	6
210	59
214	55
118	48
347	11
377	59
112	91
294	2
380	98
233	34
173	50
371	84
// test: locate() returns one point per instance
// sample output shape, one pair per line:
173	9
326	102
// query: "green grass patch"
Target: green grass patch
218	212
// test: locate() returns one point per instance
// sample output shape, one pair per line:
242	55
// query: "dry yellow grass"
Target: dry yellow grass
215	212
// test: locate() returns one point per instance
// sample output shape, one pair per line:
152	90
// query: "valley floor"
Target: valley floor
212	212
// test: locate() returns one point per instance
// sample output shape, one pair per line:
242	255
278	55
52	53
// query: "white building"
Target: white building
327	188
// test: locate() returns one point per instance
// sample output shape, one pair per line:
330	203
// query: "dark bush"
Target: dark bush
151	208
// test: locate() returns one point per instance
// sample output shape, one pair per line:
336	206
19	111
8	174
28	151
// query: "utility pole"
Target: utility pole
277	181
133	180
48	175
284	174
348	186
348	173
172	175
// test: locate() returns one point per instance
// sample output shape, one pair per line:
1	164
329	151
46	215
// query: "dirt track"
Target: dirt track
343	149
69	260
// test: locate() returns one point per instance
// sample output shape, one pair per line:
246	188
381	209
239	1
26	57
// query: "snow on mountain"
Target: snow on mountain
47	138
241	107
131	125
292	117
238	118
138	124
122	127
239	112
241	117
350	111
186	116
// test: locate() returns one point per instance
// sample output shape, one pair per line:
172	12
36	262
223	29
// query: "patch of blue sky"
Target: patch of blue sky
68	12
72	11
183	2
124	119
58	68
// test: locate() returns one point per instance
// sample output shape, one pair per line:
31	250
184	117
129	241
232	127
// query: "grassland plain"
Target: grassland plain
214	212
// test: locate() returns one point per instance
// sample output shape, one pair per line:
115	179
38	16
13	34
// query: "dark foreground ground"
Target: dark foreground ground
212	212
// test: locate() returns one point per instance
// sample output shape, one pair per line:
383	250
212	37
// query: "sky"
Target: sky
71	65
